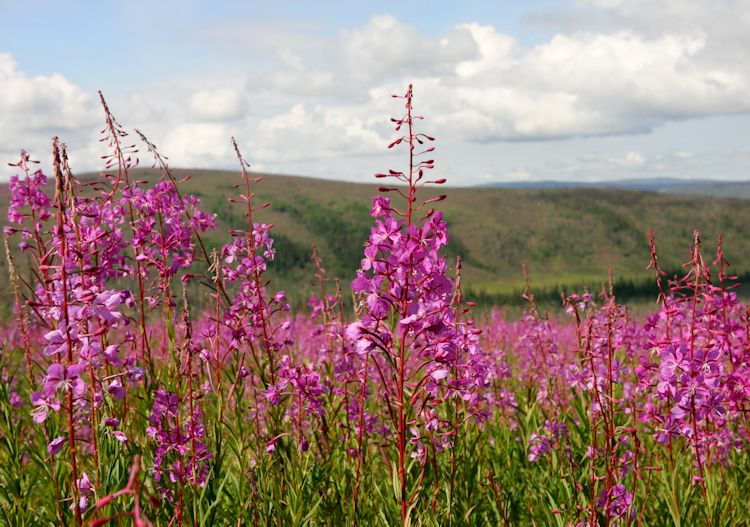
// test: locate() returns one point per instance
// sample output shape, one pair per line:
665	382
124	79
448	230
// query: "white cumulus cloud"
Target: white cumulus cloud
33	109
220	104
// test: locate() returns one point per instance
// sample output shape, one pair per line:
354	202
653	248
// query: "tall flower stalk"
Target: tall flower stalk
408	328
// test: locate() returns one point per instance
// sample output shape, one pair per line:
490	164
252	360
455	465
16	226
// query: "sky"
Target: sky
535	90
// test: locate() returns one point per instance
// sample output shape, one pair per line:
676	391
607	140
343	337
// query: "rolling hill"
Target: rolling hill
565	236
700	187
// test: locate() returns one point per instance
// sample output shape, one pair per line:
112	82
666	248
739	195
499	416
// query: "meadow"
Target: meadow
155	374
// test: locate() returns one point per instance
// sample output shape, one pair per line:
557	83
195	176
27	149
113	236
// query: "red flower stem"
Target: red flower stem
93	418
360	444
122	173
262	307
697	270
60	200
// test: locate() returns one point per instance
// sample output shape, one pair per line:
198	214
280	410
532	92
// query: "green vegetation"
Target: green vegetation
568	238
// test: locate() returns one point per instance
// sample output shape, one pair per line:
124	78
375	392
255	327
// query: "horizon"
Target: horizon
628	184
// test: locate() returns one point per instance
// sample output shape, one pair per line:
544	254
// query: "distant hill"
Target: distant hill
566	236
701	187
724	189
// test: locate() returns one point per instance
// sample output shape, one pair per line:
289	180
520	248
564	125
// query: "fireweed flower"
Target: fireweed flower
302	387
164	228
28	201
691	372
618	499
85	488
81	315
56	445
180	451
277	385
407	325
65	378
543	441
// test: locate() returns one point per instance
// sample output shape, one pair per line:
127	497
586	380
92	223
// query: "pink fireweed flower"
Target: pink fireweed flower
180	450
56	445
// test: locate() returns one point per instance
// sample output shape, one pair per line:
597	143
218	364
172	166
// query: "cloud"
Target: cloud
728	164
198	144
317	131
477	84
34	109
583	84
387	49
633	159
364	57
220	104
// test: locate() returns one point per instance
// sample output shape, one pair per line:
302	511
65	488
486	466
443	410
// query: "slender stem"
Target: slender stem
60	200
251	248
122	174
360	431
697	271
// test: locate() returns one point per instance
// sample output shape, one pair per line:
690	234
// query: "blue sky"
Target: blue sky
584	89
130	43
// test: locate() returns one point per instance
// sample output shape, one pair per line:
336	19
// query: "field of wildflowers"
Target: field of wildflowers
125	402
